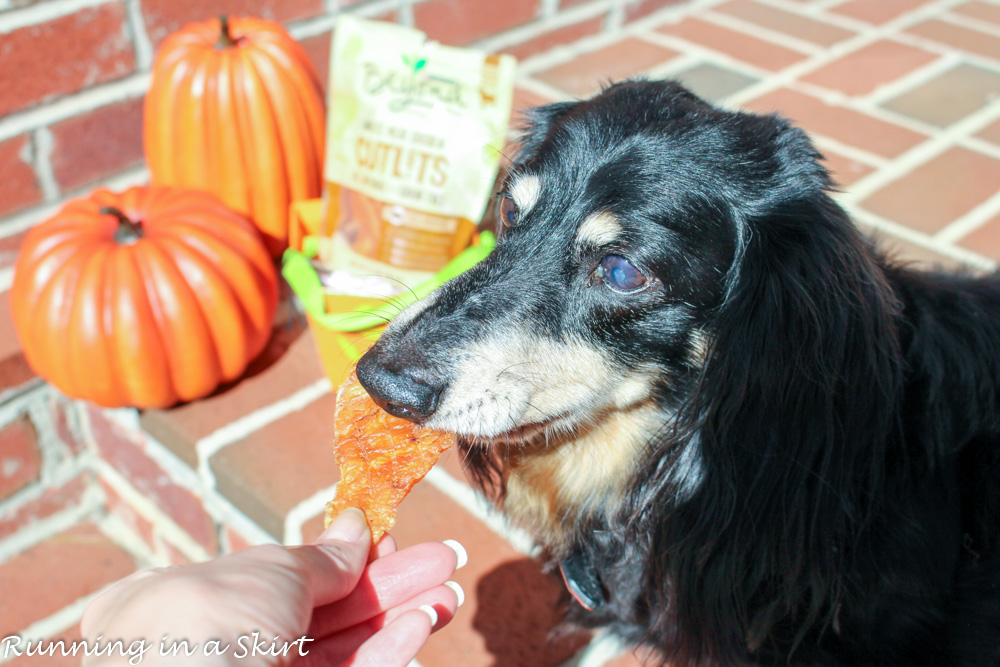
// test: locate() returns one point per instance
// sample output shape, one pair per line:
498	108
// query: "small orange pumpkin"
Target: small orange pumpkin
143	299
235	107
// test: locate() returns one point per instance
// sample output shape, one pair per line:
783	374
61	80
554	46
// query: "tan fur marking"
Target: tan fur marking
524	191
600	229
581	477
573	373
699	346
638	386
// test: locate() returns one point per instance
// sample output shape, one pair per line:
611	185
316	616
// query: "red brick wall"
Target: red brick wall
74	75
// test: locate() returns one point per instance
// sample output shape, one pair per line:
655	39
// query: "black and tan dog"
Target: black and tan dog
746	434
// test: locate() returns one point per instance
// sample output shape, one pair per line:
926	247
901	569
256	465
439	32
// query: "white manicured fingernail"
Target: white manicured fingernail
429	610
459	593
460	553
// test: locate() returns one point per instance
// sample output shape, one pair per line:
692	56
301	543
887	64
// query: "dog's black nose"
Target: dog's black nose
398	393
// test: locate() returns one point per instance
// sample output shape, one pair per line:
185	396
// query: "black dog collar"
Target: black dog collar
581	580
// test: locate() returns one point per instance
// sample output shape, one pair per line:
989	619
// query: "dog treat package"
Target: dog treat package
414	139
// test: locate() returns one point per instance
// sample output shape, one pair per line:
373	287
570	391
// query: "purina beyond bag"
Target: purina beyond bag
414	140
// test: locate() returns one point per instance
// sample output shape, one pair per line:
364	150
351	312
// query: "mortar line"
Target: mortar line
217	506
11	408
548	8
51	525
676	66
827	5
920	239
232	517
615	19
971	23
788	76
6	278
543	25
920	154
44	141
61	476
122	535
141	42
149	510
725	60
883	93
43	13
178	470
775	37
928	44
57	460
405	15
969	222
981	145
595	42
303	511
852	152
25	220
21	122
240	428
813	10
313	26
558	56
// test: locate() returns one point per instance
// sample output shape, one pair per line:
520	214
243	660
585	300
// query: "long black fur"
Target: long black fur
847	414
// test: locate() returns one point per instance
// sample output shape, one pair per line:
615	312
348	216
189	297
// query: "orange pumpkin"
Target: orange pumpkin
235	107
143	299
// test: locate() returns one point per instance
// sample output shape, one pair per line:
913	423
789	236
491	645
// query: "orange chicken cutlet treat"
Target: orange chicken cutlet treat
381	457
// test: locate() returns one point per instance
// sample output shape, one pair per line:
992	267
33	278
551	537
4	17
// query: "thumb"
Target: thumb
335	562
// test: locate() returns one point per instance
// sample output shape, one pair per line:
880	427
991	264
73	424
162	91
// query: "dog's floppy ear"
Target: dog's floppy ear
792	169
792	416
536	124
798	159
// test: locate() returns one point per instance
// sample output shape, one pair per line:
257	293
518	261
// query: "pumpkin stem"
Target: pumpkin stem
225	38
128	232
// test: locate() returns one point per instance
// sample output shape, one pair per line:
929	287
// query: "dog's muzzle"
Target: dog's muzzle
397	392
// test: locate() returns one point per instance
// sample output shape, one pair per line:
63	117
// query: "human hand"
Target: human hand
323	595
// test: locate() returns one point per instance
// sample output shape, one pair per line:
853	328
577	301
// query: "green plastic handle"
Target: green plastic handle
299	273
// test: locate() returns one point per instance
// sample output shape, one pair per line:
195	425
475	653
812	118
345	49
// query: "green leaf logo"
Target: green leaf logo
414	64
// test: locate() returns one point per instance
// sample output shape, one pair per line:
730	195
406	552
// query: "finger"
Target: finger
385	546
335	564
395	645
388	582
444	599
402	639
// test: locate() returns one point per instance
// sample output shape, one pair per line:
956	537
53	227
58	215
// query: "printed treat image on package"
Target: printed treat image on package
414	141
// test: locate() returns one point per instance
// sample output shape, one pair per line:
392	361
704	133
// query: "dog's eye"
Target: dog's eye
508	211
618	273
